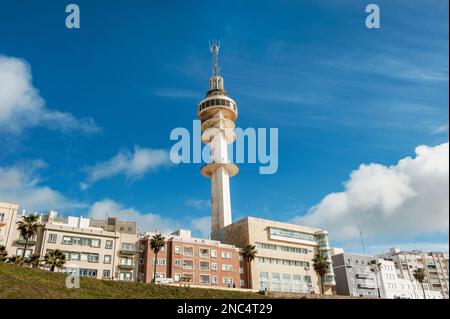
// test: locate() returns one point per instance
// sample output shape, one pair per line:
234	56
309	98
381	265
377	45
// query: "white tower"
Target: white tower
217	113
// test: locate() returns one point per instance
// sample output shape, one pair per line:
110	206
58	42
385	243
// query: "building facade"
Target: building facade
435	265
205	262
102	249
354	277
8	213
284	254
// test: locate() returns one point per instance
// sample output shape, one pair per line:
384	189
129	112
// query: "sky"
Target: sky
362	114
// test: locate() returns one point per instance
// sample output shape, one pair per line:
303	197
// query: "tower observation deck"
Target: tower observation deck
217	113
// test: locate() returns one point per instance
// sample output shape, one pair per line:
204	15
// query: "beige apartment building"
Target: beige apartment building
285	252
435	265
102	249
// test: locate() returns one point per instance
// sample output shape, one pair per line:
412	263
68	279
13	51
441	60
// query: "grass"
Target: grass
27	283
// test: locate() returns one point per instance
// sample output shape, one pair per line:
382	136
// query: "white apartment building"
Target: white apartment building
435	265
393	287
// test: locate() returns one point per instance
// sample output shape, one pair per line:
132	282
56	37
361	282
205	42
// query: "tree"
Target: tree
375	267
34	260
419	275
55	258
15	260
3	254
28	227
249	254
320	265
157	242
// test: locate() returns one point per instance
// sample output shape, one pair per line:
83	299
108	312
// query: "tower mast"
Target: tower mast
217	113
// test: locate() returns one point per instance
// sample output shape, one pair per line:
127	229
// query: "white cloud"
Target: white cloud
443	129
21	184
176	93
402	201
22	107
201	226
133	165
199	204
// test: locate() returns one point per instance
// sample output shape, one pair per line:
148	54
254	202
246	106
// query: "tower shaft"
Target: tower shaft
217	113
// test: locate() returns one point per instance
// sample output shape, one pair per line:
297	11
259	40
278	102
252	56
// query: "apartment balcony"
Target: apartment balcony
127	266
31	242
367	286
128	251
363	275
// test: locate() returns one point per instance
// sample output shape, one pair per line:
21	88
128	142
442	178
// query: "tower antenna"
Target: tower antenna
362	239
214	48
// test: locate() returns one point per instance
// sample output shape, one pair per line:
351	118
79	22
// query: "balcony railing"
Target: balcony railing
127	251
127	266
31	242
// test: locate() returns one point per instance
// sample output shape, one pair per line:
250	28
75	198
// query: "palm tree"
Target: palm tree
28	227
16	260
55	258
3	254
157	243
34	260
249	254
320	265
419	275
375	267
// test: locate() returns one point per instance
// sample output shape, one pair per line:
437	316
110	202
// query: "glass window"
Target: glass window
107	259
106	273
52	238
109	244
227	103
95	242
213	253
177	263
177	250
67	240
84	256
93	258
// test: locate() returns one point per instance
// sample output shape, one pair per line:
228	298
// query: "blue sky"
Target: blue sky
340	94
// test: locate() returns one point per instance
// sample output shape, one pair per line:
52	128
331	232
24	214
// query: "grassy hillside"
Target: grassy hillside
21	282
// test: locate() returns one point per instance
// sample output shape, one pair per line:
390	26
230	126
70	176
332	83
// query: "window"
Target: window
109	244
127	276
297	282
76	241
278	232
213	266
19	252
141	261
188	264
241	270
177	250
224	280
106	274
67	240
74	256
204	265
287	283
88	272
226	254
188	251
95	243
204	252
204	279
93	258
177	263
276	283
177	277
214	280
226	267
52	238
2	217
84	256
107	259
213	253
161	261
